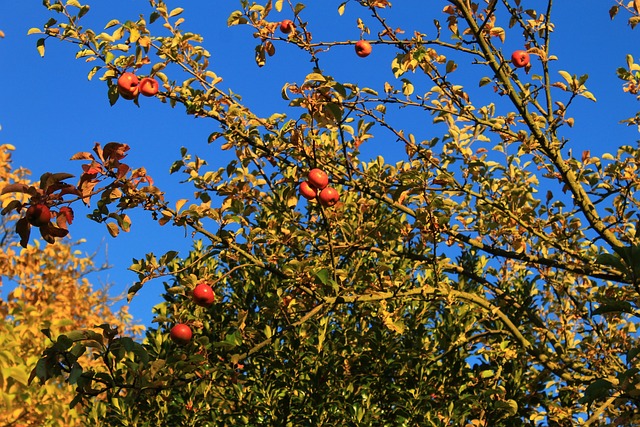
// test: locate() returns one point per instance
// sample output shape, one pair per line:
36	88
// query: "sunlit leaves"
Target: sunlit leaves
473	268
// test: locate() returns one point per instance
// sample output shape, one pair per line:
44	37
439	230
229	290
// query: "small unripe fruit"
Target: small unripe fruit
181	334
318	178
520	58
203	295
329	196
287	26
38	215
363	48
307	191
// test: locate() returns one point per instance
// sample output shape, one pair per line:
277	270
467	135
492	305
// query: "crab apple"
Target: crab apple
307	191
128	85
203	295
38	215
287	26
329	196
363	48
520	58
318	178
148	86
181	334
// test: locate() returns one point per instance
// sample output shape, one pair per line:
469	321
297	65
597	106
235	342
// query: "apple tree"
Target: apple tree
487	276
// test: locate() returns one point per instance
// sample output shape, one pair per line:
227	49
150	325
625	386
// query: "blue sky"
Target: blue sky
49	110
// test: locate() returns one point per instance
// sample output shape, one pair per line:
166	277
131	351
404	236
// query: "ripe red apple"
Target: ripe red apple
363	48
307	191
181	334
329	196
318	178
520	58
203	295
128	85
38	215
148	86
287	26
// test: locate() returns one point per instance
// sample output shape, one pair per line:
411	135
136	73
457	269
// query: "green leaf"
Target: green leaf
614	307
484	81
324	276
596	390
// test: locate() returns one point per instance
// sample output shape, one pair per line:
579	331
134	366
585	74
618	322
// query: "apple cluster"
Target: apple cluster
202	296
317	186
130	86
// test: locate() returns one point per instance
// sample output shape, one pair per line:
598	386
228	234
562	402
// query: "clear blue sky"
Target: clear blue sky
49	110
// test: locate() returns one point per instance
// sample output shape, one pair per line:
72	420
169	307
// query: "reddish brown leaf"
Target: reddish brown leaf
86	189
98	150
18	188
115	151
12	205
23	228
54	231
122	170
83	155
46	235
92	169
65	216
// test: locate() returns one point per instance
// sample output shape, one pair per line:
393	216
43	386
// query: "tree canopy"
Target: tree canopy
488	277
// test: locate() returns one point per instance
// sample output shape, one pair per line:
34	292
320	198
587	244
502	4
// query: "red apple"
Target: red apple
318	178
287	26
329	196
181	334
128	85
38	215
520	58
148	86
363	48
203	295
307	191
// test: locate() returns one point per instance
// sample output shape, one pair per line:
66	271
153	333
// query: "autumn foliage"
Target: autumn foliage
489	277
47	291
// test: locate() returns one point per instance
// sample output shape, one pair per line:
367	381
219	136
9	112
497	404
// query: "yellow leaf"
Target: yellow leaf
175	12
566	76
498	32
180	203
588	95
113	229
